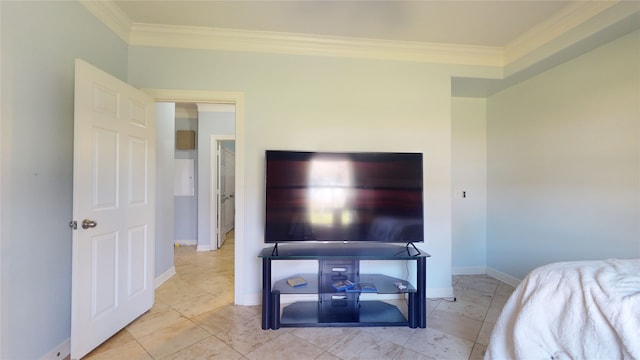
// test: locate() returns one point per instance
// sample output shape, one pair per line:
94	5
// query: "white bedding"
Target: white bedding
572	310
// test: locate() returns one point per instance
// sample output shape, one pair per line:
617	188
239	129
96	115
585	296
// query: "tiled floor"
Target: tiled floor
194	318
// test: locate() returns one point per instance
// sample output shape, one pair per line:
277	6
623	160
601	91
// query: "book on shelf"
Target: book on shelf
363	287
343	285
296	281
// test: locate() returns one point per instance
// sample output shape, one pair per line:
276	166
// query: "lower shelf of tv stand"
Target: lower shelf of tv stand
369	313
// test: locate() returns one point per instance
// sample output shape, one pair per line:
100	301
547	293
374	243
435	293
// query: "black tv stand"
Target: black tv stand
340	308
414	248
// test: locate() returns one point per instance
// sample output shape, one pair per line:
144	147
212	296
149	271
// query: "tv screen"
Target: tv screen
322	196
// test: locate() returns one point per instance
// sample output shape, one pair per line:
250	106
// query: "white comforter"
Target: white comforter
572	310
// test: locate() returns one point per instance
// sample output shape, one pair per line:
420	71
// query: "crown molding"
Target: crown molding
303	44
553	28
535	41
110	15
209	107
287	43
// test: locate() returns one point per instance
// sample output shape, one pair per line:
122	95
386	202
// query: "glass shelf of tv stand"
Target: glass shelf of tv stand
384	284
352	311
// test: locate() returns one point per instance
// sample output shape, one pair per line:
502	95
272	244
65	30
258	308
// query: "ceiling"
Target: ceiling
516	38
472	22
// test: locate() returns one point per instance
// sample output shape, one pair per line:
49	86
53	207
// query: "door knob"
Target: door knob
87	224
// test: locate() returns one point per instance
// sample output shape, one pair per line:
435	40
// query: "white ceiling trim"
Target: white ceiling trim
303	44
287	43
562	22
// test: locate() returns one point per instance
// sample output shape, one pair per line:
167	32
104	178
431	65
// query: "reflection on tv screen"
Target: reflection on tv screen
313	196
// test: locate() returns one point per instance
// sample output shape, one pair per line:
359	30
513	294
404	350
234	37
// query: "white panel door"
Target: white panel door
225	190
113	205
228	189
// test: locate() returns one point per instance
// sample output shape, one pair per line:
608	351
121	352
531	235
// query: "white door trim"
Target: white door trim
222	97
213	187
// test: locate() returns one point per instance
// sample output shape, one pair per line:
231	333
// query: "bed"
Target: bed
572	310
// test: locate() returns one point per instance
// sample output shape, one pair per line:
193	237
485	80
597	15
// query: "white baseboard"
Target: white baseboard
203	248
250	299
505	278
164	277
469	270
186	242
59	352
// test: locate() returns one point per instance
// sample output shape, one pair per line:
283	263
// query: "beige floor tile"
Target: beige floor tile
172	339
177	292
202	303
217	284
504	289
119	340
500	299
224	317
465	308
439	345
485	334
396	334
328	356
474	296
286	347
247	336
130	351
478	352
493	313
407	354
159	317
358	344
454	324
323	338
210	348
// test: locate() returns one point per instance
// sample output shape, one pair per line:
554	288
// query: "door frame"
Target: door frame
214	199
222	97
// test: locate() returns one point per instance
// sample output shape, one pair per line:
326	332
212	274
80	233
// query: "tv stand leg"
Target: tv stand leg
421	293
267	315
413	310
275	310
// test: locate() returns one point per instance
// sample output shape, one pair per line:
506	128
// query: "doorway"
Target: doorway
237	99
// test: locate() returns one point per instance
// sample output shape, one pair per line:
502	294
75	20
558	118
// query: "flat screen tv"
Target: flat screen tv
343	197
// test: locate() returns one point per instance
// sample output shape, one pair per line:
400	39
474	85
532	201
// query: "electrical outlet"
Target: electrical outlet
461	194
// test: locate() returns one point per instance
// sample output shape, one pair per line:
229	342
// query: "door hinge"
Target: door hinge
73	225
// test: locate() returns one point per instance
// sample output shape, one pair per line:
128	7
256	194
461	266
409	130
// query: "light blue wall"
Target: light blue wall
209	123
186	207
564	162
323	103
469	175
165	146
39	43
